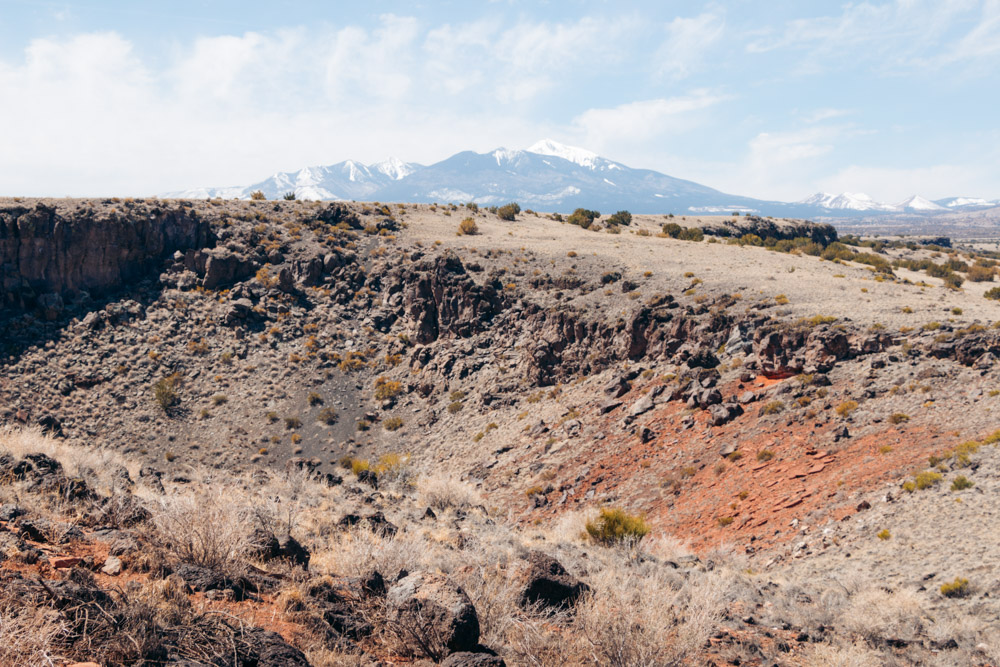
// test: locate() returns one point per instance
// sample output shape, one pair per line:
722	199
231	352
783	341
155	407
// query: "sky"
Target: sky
775	100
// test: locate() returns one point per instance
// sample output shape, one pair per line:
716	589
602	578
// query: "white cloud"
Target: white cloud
643	121
768	149
983	41
819	115
902	35
687	42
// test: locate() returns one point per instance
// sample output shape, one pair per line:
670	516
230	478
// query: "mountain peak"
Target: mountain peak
394	168
918	203
580	156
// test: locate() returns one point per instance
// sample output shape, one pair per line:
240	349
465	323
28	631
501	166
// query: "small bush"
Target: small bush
219	399
165	391
616	527
773	408
327	416
289	196
846	408
257	195
980	274
455	407
582	217
926	479
884	534
468	227
961	483
620	218
765	455
314	398
724	521
993	293
509	211
899	418
386	389
292	423
956	589
392	424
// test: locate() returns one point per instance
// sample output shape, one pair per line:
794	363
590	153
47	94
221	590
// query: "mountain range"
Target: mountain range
552	176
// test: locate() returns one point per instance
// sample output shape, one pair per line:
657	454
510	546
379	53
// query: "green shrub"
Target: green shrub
615	527
327	416
386	388
582	217
956	589
846	408
672	229
961	483
620	218
993	293
508	211
926	479
289	196
165	391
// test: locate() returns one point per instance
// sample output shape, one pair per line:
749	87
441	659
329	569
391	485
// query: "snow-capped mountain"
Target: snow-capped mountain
551	176
919	204
345	180
967	202
850	201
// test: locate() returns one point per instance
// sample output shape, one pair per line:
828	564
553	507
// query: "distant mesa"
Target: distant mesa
549	175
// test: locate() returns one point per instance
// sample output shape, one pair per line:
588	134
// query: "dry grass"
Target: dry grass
442	493
210	526
633	619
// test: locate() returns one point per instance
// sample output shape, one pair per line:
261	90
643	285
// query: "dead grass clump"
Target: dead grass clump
633	619
28	634
878	615
443	493
359	551
210	527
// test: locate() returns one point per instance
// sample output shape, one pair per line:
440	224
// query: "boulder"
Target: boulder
270	650
377	523
432	615
547	583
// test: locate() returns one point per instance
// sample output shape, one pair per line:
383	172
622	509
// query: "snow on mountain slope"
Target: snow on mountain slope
853	201
394	168
966	202
917	203
580	156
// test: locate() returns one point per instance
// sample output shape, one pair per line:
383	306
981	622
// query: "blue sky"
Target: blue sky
774	99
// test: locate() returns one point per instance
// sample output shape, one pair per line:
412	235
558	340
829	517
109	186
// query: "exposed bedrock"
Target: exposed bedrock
46	253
